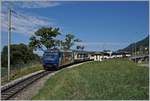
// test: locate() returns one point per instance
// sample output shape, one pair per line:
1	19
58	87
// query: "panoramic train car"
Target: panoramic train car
54	58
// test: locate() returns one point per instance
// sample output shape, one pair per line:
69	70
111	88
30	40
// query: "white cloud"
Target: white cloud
24	24
29	22
39	4
31	4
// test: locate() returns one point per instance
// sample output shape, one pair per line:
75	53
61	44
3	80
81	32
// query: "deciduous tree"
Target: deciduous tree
44	37
69	41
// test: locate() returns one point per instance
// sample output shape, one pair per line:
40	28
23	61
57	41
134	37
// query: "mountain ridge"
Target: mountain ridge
144	43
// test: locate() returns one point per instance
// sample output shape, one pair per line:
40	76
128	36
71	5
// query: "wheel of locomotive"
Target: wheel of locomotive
45	68
57	67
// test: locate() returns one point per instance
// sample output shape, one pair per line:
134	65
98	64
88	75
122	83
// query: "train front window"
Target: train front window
51	55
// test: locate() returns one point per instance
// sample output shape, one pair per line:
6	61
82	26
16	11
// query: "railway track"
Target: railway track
8	92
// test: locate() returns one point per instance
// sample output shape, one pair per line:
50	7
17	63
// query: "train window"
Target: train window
51	54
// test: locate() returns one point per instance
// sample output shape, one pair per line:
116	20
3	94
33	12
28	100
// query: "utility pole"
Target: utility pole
9	41
103	51
135	51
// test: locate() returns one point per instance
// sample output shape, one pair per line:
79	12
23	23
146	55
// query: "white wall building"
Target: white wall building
99	56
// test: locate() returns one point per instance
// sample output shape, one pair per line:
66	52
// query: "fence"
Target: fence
16	68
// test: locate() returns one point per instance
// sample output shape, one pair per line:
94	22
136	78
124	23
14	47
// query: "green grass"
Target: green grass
22	72
112	80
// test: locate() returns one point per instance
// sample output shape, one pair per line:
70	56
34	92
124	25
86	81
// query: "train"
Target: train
55	58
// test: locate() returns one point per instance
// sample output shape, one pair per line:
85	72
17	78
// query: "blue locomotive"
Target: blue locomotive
54	58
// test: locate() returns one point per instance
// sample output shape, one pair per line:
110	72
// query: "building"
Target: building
99	56
81	55
120	54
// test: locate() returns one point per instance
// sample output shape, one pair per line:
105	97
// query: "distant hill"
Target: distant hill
142	44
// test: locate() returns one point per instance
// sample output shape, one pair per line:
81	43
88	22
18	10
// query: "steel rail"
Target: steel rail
7	93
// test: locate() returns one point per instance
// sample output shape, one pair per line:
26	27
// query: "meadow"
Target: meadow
117	79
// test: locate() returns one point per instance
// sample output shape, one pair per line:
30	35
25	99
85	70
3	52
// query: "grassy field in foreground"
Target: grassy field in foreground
112	79
22	72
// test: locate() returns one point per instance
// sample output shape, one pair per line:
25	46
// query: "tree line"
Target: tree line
20	54
44	38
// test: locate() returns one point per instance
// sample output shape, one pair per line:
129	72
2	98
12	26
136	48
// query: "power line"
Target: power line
10	28
25	17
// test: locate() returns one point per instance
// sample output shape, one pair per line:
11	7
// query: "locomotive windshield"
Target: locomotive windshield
51	54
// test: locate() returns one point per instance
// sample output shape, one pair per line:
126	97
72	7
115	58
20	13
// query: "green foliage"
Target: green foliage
69	41
79	47
19	54
44	37
4	57
107	80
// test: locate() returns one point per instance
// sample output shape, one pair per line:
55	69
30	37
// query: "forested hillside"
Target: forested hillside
142	45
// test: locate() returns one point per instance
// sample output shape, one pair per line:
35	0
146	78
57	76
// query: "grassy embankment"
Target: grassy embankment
114	79
21	72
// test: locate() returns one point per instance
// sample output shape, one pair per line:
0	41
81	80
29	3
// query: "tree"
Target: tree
19	54
44	37
69	41
80	47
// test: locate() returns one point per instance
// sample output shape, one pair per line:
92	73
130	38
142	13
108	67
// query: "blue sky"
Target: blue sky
108	25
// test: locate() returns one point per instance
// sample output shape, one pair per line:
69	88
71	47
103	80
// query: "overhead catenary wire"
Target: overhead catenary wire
24	17
10	28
